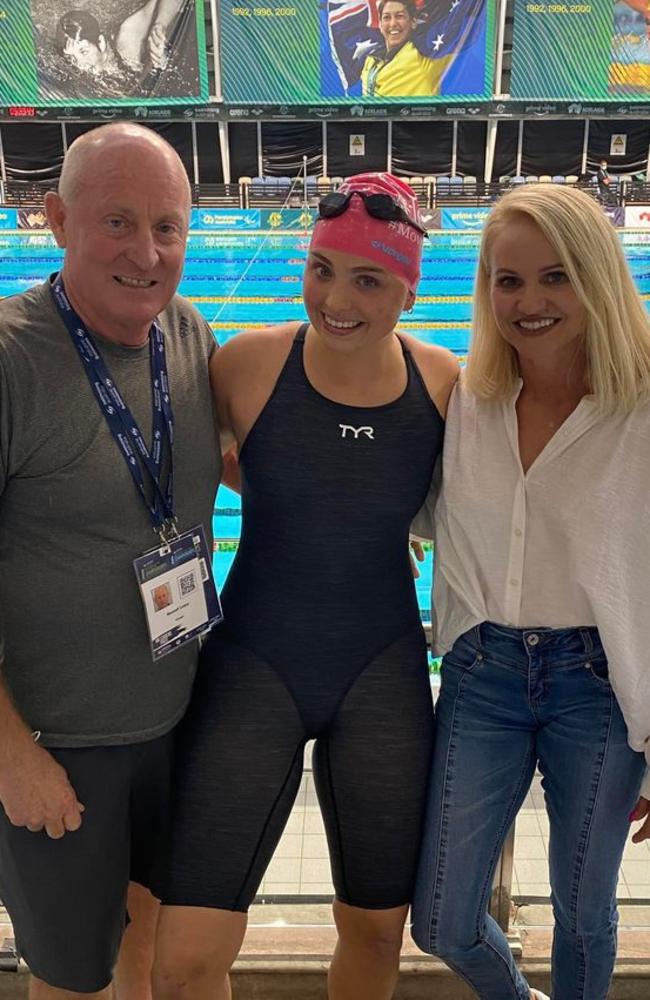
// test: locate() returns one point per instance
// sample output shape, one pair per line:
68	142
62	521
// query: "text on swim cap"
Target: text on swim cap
391	251
404	230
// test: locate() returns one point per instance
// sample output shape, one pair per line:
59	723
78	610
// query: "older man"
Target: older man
88	702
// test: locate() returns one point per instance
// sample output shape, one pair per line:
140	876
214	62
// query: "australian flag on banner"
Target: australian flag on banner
449	29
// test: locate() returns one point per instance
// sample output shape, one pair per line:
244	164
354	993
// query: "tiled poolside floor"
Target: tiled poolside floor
301	867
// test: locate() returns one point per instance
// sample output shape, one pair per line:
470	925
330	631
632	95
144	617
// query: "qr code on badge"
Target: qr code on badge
187	584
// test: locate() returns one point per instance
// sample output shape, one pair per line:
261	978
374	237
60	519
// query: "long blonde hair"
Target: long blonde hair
617	335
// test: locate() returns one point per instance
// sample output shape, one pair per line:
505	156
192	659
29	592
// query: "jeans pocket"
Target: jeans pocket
599	669
463	656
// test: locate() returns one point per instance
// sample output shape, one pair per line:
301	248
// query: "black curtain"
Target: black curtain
209	146
552	147
470	149
74	129
505	150
635	159
32	152
339	161
285	143
177	134
242	137
421	148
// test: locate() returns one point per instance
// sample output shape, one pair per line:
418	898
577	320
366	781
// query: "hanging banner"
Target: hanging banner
102	52
225	218
618	144
357	51
463	218
581	51
290	218
359	113
637	217
8	218
32	218
251	219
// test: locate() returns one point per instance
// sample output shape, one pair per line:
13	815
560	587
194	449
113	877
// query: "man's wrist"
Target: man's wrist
17	737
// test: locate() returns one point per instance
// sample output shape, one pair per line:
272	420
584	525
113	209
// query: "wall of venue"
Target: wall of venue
264	91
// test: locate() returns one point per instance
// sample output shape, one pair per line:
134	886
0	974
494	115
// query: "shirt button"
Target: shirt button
514	583
532	640
518	532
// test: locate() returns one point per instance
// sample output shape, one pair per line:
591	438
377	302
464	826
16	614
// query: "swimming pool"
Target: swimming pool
252	280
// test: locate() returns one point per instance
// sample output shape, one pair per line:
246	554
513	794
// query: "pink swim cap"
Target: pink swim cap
395	246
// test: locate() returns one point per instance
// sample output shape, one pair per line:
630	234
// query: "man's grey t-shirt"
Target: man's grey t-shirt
77	658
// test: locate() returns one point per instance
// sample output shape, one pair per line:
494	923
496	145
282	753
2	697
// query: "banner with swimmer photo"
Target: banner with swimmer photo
357	51
591	51
102	52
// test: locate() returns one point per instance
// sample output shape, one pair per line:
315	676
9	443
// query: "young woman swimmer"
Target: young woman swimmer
338	423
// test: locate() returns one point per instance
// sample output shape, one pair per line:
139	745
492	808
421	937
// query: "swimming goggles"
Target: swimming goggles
379	206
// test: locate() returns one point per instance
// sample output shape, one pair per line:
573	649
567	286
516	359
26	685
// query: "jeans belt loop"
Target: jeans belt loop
587	640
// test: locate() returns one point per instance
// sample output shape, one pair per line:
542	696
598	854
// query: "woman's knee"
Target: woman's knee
184	970
590	922
442	939
378	931
194	946
180	973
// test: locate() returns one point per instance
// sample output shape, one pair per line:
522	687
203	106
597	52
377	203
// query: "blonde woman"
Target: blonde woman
543	547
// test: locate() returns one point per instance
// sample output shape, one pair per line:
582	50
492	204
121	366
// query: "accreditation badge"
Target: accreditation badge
178	591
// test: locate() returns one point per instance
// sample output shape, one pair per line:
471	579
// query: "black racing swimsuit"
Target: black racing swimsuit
322	640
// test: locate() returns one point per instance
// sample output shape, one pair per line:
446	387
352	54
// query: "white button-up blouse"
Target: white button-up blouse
566	544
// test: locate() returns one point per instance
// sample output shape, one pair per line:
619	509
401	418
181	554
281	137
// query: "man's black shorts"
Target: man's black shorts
67	898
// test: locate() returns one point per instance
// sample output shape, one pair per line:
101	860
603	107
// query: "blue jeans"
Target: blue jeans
512	699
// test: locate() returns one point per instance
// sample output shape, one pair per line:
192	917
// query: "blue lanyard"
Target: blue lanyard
122	424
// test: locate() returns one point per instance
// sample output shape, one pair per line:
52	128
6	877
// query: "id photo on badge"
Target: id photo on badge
161	597
175	601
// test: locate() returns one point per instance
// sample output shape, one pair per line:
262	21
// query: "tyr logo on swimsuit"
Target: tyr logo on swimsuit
368	431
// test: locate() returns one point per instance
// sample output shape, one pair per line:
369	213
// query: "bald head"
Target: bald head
117	143
122	215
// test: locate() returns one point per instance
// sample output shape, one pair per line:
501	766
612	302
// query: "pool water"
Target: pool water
239	281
